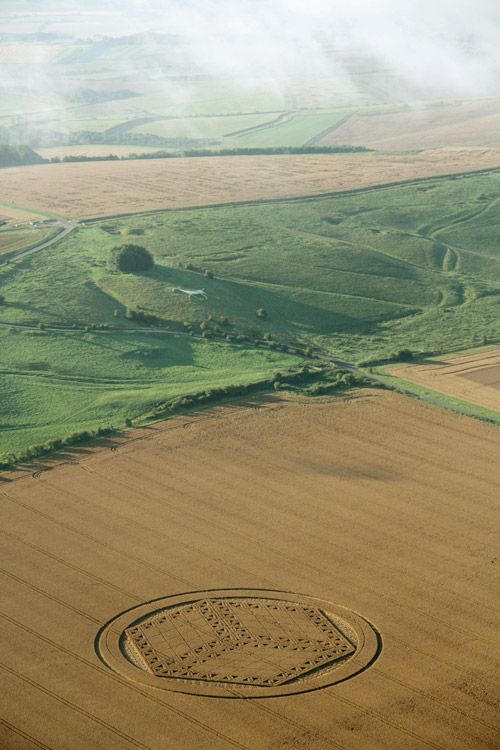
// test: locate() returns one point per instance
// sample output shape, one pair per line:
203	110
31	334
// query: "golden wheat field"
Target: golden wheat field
464	124
473	377
338	555
87	190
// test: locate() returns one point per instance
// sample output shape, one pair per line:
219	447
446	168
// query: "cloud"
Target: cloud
439	45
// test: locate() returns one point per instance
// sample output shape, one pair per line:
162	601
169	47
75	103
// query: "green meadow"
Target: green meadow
56	383
412	266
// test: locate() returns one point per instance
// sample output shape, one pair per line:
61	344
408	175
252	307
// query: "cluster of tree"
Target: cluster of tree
130	258
81	157
135	139
320	382
16	156
149	319
403	355
312	382
275	150
10	460
13	156
226	391
201	152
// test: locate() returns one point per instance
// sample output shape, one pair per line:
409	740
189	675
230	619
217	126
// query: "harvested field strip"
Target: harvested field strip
473	378
373	511
127	187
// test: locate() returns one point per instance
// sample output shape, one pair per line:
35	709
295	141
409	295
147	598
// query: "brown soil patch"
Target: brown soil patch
472	377
469	124
383	505
86	190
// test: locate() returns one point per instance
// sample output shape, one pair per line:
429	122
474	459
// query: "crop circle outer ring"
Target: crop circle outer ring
109	650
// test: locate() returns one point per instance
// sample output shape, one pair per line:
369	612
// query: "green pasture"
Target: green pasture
206	99
56	383
363	275
202	127
294	132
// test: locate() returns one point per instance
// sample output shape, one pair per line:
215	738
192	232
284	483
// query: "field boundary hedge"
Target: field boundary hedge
310	382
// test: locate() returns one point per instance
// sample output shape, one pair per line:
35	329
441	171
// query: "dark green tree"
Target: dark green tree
130	258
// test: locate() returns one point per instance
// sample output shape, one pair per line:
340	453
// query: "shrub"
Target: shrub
130	258
404	355
261	313
209	274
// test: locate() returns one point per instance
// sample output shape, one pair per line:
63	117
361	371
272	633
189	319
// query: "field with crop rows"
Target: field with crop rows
473	377
82	191
474	123
377	504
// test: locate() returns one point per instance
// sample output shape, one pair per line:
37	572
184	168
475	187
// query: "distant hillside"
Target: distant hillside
16	156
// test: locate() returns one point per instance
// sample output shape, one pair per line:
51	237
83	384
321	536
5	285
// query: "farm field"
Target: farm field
83	191
460	124
473	377
296	131
16	239
13	214
214	99
202	127
375	503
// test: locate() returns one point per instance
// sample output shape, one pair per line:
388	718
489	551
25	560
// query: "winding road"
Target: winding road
66	227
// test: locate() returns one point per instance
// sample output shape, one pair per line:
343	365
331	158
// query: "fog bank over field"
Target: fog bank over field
433	47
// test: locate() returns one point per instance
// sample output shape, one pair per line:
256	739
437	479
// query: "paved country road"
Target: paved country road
66	227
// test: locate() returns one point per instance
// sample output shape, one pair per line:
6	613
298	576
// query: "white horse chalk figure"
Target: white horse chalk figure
191	292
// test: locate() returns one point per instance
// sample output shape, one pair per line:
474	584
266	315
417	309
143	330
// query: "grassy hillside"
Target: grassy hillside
363	275
54	384
412	265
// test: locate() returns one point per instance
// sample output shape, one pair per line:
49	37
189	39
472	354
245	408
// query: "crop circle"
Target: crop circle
238	643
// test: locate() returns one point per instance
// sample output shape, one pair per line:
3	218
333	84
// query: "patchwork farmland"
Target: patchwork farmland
357	502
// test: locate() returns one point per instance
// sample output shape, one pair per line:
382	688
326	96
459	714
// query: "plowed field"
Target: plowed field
472	377
381	504
86	190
